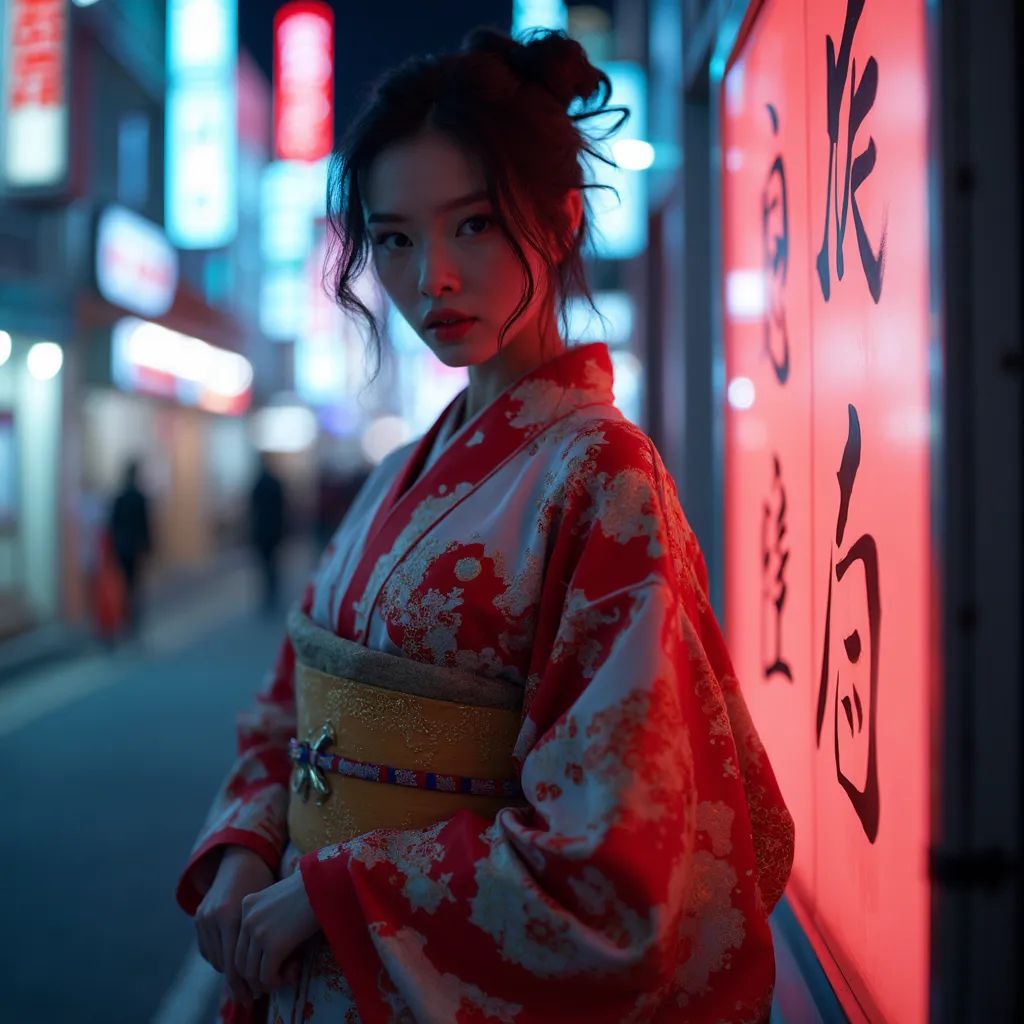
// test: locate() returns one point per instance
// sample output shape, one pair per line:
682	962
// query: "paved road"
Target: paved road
107	766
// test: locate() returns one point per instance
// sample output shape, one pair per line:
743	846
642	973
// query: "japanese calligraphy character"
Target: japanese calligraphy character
855	611
774	558
862	99
775	246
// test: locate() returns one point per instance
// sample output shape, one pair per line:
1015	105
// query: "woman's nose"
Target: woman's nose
438	272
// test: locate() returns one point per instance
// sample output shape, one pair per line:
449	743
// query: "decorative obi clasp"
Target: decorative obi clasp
308	774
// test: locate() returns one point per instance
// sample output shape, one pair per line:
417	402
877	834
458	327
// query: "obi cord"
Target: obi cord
307	759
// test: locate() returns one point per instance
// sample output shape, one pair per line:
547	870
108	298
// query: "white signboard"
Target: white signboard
136	267
35	111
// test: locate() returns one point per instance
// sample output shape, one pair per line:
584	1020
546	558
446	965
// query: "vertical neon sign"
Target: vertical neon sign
202	141
303	81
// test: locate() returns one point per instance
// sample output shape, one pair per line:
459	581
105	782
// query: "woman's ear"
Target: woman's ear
574	209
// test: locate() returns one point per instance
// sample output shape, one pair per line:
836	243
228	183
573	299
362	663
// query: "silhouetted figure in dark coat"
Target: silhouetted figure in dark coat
132	542
267	519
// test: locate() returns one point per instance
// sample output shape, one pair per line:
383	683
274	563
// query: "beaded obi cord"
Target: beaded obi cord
386	742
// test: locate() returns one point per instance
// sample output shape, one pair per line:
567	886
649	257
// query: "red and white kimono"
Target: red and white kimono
542	542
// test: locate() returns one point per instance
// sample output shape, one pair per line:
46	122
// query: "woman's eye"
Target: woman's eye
396	237
477	225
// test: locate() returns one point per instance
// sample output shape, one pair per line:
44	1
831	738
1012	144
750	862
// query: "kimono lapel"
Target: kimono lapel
579	377
411	471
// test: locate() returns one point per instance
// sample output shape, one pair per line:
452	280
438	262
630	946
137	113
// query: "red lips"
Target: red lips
437	316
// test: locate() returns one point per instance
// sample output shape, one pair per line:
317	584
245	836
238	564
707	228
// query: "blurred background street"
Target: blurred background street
90	749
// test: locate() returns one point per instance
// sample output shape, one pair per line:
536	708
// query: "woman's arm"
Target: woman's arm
251	808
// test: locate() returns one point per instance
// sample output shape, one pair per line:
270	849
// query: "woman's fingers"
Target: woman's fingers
236	950
253	968
270	976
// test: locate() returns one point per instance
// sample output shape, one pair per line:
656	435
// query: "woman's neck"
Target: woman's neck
512	361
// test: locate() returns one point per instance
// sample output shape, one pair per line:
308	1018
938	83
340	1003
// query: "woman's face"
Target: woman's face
438	247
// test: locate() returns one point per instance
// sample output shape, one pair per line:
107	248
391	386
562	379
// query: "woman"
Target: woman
532	545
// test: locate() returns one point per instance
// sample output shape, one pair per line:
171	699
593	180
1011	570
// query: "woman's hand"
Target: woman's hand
275	922
219	915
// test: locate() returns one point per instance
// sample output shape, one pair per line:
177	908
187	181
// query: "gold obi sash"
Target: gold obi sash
355	705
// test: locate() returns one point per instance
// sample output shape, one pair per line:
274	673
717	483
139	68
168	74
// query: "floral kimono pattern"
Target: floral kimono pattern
544	544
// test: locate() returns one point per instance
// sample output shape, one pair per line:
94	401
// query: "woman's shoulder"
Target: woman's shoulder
599	439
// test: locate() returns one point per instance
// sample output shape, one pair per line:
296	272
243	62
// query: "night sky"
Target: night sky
371	37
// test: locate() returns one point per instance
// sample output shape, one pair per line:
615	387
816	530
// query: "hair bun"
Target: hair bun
546	58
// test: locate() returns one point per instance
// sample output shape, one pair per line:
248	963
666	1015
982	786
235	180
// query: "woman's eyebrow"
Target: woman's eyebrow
451	204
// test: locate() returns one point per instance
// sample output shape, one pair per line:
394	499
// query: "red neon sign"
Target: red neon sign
37	54
303	81
36	106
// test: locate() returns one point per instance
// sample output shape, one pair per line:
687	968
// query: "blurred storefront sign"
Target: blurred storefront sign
201	36
200	165
35	108
303	81
530	14
154	360
328	366
613	322
322	372
201	123
288	199
31	398
283	293
620	220
292	204
136	267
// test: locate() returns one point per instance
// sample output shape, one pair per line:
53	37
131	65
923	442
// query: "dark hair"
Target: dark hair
518	106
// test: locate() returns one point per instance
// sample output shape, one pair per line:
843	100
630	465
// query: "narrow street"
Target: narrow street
107	766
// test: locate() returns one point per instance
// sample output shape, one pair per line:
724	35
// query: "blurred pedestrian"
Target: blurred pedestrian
132	542
267	522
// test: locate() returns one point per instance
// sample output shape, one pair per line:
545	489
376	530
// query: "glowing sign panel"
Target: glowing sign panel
620	221
136	267
303	81
35	102
202	123
531	14
829	566
200	36
149	358
201	208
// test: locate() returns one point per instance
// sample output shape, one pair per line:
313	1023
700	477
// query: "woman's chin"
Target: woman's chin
463	353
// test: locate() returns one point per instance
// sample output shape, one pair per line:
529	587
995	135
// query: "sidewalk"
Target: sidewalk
60	641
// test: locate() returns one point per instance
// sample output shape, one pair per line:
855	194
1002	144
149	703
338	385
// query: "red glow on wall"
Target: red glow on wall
303	81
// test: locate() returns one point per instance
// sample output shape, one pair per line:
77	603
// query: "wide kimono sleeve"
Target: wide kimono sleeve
251	807
636	884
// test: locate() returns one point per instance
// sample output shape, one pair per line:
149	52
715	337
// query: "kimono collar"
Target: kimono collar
578	377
